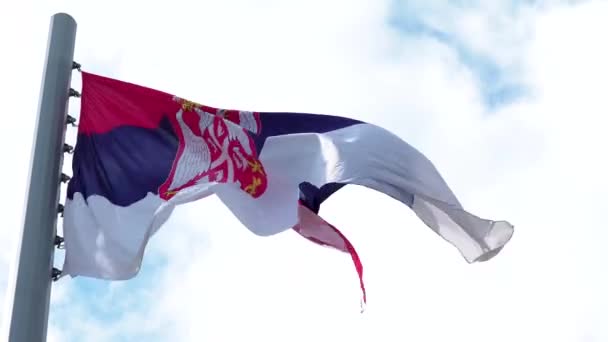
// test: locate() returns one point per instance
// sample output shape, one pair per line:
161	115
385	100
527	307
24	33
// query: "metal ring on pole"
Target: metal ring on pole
56	274
59	242
69	149
65	178
71	121
74	93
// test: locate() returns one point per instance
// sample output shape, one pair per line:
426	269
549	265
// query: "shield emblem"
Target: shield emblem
215	146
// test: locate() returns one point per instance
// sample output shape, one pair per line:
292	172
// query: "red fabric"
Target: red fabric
111	103
316	229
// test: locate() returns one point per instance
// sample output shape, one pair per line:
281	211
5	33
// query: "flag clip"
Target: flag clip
71	121
56	274
59	242
69	149
76	65
65	178
74	93
60	209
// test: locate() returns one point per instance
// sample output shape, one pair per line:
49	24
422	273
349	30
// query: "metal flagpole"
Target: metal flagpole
29	310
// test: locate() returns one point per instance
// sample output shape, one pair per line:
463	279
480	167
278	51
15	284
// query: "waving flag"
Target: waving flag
140	152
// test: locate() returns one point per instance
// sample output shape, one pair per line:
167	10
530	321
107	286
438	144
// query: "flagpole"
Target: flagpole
31	283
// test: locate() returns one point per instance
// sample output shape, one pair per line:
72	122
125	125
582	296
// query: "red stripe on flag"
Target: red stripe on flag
316	229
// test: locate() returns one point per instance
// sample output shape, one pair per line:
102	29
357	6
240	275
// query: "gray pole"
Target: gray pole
29	311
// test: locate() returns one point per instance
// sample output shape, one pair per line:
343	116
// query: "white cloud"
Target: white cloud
537	162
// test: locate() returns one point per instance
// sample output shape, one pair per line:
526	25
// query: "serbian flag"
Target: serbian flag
140	152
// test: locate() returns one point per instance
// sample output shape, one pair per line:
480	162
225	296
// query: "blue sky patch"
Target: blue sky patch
495	86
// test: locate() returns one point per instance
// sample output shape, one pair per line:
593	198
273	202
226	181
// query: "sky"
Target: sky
505	97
